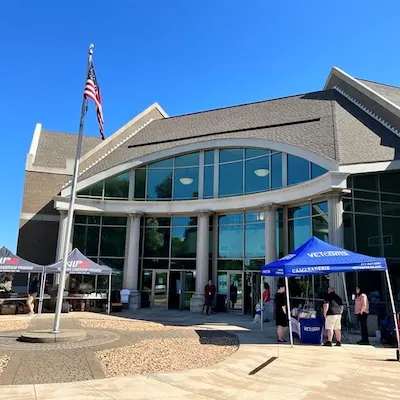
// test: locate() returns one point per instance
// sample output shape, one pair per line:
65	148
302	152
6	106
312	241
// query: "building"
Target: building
174	201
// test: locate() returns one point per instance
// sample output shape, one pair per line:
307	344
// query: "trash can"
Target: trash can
311	330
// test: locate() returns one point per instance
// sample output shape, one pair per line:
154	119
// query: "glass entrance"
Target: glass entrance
160	289
181	289
235	292
251	291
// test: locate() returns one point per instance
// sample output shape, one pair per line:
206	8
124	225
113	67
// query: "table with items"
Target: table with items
307	326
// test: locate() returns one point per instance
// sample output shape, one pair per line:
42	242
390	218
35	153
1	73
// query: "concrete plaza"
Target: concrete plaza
302	372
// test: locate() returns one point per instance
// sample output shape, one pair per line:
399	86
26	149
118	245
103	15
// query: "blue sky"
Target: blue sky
187	55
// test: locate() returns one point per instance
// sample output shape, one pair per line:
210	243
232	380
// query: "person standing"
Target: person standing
362	312
266	302
233	294
209	293
333	310
282	321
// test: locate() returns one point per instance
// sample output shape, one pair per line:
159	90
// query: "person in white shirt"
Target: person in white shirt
124	294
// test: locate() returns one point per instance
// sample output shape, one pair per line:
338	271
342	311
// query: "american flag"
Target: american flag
92	91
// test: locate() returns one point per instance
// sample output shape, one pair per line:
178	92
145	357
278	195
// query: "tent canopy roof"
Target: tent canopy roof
318	257
9	262
80	265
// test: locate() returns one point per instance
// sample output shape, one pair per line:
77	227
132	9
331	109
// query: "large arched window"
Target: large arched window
208	174
221	173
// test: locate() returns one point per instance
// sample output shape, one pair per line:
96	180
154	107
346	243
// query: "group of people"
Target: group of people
332	311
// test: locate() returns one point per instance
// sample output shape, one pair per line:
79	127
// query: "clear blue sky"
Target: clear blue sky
187	55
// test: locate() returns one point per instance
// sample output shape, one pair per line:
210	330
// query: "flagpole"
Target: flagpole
67	237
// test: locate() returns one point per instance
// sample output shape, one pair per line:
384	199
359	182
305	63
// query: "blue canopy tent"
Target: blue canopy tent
318	257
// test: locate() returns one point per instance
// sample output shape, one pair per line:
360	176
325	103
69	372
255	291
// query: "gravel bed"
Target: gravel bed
165	355
131	325
13	325
3	363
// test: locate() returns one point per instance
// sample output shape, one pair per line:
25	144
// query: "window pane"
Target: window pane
320	227
256	152
367	235
169	162
254	265
184	221
154	222
348	231
183	264
298	170
107	220
257	175
255	216
116	265
367	207
140	183
230	219
95	190
299	232
300	211
360	194
183	242
320	208
159	184
276	171
112	242
80	219
147	280
230	179
187	160
254	240
79	240
391	237
368	182
391	198
230	265
391	209
389	182
93	219
186	183
226	155
316	170
209	157
118	186
208	190
347	205
92	241
156	243
230	243
155	264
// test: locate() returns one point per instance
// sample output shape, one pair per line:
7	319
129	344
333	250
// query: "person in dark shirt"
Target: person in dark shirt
333	310
282	321
209	292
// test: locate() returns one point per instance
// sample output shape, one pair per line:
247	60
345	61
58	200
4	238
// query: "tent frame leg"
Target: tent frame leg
396	325
289	311
261	303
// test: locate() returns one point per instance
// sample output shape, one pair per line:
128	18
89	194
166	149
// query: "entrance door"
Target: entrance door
182	285
160	289
175	290
235	292
251	291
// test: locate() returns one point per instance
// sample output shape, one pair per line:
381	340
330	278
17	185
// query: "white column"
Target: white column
202	256
270	243
335	214
131	265
62	227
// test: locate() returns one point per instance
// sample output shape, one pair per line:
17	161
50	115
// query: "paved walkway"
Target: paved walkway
302	372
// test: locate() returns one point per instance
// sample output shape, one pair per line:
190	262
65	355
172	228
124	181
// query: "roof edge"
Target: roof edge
154	106
35	141
366	90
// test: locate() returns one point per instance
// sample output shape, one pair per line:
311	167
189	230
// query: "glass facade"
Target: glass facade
115	188
102	239
305	221
238	171
371	222
241	240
